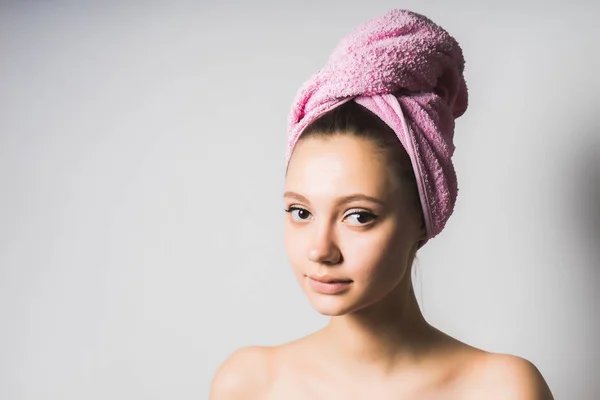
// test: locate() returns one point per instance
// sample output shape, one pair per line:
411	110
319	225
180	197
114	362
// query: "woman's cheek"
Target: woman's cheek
369	258
295	249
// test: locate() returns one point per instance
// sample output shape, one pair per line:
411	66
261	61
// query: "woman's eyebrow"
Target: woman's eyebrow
340	200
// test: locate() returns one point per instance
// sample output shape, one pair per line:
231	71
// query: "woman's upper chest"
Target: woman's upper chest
300	379
298	389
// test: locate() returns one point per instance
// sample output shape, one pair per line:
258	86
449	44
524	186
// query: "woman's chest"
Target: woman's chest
311	387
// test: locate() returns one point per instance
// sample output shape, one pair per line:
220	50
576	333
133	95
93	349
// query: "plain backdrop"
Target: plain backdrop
142	171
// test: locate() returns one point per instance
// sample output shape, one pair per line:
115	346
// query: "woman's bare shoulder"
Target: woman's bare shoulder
504	376
245	374
248	372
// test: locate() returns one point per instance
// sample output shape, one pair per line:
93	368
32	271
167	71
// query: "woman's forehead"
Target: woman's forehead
338	166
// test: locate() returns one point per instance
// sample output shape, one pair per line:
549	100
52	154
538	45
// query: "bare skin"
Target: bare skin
377	343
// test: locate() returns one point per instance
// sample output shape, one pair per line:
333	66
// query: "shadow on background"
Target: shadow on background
586	195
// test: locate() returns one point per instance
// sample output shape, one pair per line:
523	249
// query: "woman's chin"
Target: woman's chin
332	306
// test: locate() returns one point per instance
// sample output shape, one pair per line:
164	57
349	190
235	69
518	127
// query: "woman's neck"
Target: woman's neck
381	339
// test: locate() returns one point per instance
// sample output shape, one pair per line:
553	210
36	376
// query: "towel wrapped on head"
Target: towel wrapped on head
409	72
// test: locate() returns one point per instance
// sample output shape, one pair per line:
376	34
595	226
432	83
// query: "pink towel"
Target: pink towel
409	72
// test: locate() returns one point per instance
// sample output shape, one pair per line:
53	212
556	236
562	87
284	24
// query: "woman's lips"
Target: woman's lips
328	288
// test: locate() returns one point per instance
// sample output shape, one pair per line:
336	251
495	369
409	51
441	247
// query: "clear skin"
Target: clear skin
376	326
377	343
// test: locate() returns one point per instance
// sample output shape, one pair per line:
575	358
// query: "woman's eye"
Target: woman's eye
362	217
301	213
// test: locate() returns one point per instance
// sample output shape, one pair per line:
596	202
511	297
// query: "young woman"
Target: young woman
369	181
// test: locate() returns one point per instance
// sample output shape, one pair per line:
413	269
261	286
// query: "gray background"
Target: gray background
141	175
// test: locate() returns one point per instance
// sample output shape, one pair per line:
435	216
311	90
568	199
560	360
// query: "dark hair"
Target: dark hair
353	119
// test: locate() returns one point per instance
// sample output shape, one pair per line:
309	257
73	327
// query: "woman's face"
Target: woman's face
348	218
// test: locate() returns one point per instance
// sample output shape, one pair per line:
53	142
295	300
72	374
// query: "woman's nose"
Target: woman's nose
324	249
